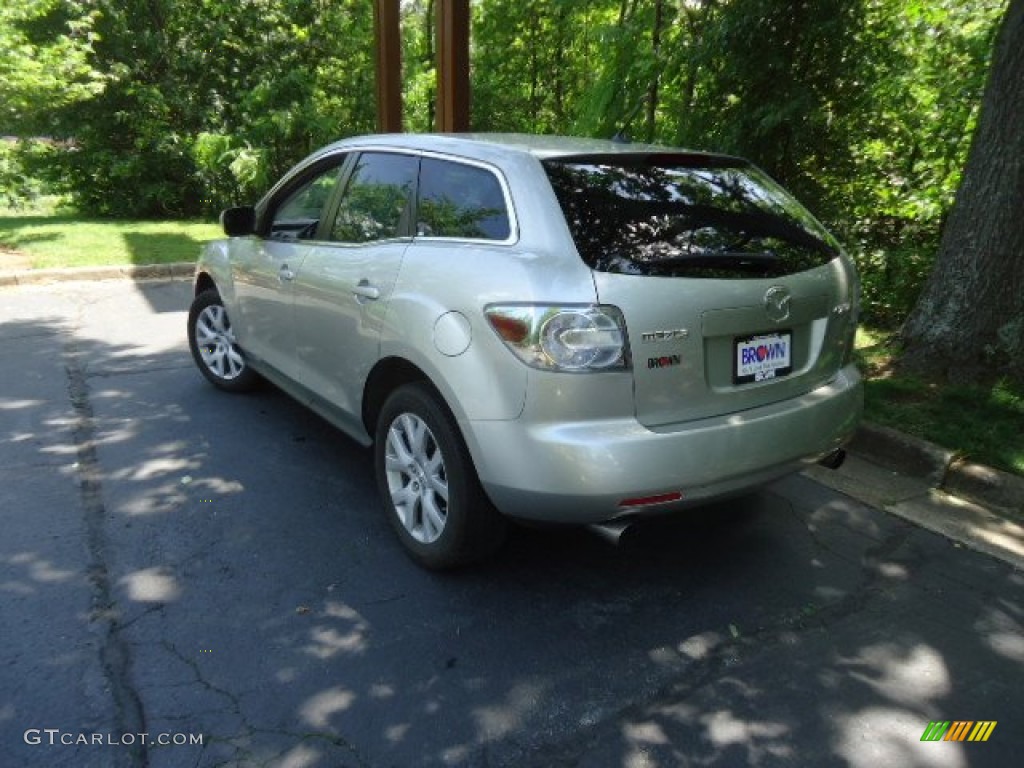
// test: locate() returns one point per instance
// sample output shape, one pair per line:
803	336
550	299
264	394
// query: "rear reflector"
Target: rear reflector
647	501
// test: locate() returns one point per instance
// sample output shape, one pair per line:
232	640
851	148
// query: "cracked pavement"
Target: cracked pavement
175	560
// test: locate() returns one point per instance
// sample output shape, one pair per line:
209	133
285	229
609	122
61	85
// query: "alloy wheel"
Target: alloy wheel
416	478
216	343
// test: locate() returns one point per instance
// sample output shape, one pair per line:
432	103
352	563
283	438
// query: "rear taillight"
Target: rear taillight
852	316
557	338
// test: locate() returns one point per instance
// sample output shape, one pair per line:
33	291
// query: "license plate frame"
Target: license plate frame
768	356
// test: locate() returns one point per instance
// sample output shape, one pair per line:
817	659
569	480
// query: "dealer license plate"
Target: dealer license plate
759	358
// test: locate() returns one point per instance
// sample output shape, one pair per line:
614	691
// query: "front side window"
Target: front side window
686	216
376	202
459	200
298	216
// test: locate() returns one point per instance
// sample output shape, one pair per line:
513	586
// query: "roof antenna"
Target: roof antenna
622	135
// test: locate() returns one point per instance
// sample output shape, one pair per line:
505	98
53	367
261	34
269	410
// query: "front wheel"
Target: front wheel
428	485
212	342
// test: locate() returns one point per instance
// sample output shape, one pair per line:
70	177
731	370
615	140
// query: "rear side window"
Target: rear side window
459	200
685	217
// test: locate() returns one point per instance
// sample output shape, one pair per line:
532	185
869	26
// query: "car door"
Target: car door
342	289
265	268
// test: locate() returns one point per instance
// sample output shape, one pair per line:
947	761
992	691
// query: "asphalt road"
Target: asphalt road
190	565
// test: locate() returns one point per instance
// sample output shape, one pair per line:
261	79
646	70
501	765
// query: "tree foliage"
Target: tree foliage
177	107
181	106
45	46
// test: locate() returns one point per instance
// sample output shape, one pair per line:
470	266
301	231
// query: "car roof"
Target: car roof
486	146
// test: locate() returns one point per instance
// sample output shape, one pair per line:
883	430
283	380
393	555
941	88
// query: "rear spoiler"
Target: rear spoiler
681	159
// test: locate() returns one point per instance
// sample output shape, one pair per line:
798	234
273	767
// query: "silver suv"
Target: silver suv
542	328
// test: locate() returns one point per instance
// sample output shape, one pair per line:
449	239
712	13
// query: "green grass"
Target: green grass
50	237
984	424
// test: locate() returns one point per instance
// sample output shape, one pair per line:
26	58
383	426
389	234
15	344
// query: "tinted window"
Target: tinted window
652	216
298	216
376	198
457	200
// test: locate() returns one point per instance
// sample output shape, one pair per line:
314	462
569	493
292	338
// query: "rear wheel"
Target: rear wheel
212	342
428	485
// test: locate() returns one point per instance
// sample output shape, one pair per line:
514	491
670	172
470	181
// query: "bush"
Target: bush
229	170
23	170
891	281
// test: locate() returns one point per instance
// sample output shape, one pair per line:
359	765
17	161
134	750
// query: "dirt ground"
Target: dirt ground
11	260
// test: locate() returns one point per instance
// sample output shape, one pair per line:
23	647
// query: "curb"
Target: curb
129	271
986	486
940	467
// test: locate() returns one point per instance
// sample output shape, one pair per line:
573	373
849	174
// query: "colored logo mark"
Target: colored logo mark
959	730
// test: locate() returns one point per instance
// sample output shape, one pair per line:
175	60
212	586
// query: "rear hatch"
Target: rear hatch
734	296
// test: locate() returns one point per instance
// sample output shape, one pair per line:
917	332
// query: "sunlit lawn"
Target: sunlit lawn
42	238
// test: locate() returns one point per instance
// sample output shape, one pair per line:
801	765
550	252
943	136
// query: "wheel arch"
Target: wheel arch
387	375
204	282
480	527
213	272
392	372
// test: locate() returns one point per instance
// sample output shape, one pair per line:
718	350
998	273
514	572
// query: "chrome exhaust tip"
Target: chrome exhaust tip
834	460
612	531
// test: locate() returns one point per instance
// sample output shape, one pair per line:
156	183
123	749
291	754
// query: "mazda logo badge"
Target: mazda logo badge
776	303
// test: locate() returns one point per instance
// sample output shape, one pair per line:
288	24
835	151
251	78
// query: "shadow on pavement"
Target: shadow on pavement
192	562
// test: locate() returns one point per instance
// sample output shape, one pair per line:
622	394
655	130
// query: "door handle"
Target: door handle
364	290
285	274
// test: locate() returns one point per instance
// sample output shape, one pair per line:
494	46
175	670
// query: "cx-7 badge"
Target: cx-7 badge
650	336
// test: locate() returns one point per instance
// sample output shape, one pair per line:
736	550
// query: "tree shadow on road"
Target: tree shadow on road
261	600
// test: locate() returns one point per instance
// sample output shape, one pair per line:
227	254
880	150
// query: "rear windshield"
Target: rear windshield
685	216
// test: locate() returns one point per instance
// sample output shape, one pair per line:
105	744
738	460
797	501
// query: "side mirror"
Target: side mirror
238	222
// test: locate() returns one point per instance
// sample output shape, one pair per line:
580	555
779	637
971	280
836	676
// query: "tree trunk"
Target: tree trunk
428	60
969	320
652	89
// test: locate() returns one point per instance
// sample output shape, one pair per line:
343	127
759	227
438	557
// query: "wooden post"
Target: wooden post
387	31
452	65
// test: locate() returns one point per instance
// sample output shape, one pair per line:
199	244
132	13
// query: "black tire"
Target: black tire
213	346
428	486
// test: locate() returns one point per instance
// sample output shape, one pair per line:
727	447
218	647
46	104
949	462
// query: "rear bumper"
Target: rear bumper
580	472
